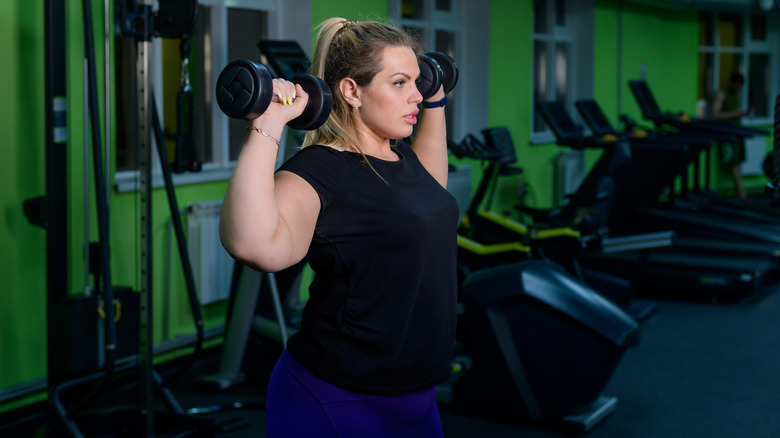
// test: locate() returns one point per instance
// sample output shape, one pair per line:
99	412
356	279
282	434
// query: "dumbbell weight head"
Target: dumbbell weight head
244	89
430	75
449	70
319	105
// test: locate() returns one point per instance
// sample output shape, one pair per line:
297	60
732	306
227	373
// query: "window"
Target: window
436	23
225	30
562	56
458	28
734	42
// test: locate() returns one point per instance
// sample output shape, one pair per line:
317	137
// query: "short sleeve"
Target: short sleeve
320	167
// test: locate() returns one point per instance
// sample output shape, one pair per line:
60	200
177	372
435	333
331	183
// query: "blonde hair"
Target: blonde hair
348	49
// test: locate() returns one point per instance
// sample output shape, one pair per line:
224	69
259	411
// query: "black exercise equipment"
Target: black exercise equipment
185	155
691	264
436	69
703	213
543	346
173	18
561	235
244	91
74	368
285	58
688	198
682	121
534	343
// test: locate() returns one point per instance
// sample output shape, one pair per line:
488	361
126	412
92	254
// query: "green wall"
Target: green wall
349	9
606	58
665	41
510	80
22	254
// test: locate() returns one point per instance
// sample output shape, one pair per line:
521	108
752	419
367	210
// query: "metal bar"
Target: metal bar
146	376
107	93
56	218
87	289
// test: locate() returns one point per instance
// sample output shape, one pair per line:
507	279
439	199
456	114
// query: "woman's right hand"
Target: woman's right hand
288	102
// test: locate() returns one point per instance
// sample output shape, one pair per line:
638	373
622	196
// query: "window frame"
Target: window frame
470	106
579	34
285	21
748	47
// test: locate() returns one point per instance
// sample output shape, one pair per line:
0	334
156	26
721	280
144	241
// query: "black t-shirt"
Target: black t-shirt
382	306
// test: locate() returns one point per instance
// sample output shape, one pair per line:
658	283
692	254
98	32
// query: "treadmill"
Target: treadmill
593	115
702	267
768	212
690	219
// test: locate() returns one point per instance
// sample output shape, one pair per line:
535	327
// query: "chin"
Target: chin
404	133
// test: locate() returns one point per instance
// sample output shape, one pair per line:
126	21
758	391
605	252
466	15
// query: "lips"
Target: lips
412	117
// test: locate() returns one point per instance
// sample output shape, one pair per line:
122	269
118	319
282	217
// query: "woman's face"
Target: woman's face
389	102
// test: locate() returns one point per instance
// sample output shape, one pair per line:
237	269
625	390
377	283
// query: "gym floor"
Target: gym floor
700	370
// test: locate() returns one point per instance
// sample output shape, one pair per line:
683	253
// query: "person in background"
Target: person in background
373	216
726	107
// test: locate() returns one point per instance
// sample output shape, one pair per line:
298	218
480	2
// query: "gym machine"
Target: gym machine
561	235
534	343
78	365
700	265
542	347
694	196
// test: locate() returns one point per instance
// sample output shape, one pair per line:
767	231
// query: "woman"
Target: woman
379	229
726	107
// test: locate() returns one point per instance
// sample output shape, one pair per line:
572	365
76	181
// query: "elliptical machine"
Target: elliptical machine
538	345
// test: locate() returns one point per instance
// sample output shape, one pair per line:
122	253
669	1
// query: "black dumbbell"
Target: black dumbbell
436	69
245	89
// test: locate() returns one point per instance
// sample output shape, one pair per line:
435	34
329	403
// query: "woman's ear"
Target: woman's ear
349	89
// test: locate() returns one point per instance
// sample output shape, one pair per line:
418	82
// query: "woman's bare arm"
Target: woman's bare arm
267	221
430	140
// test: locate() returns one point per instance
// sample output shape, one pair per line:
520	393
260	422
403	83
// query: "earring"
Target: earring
354	108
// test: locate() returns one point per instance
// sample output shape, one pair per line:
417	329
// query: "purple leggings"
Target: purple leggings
299	404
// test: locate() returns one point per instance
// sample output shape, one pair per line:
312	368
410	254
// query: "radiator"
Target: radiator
569	172
755	152
211	265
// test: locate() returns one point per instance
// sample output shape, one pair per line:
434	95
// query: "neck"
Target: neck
376	146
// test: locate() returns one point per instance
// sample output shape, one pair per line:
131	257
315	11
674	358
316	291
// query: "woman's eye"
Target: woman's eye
399	83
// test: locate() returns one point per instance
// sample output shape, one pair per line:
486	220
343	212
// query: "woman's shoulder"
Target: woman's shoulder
319	149
314	153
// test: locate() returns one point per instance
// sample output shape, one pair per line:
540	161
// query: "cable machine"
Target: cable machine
82	360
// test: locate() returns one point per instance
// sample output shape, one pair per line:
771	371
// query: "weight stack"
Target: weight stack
74	347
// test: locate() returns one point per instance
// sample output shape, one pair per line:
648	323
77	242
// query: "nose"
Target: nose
416	96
